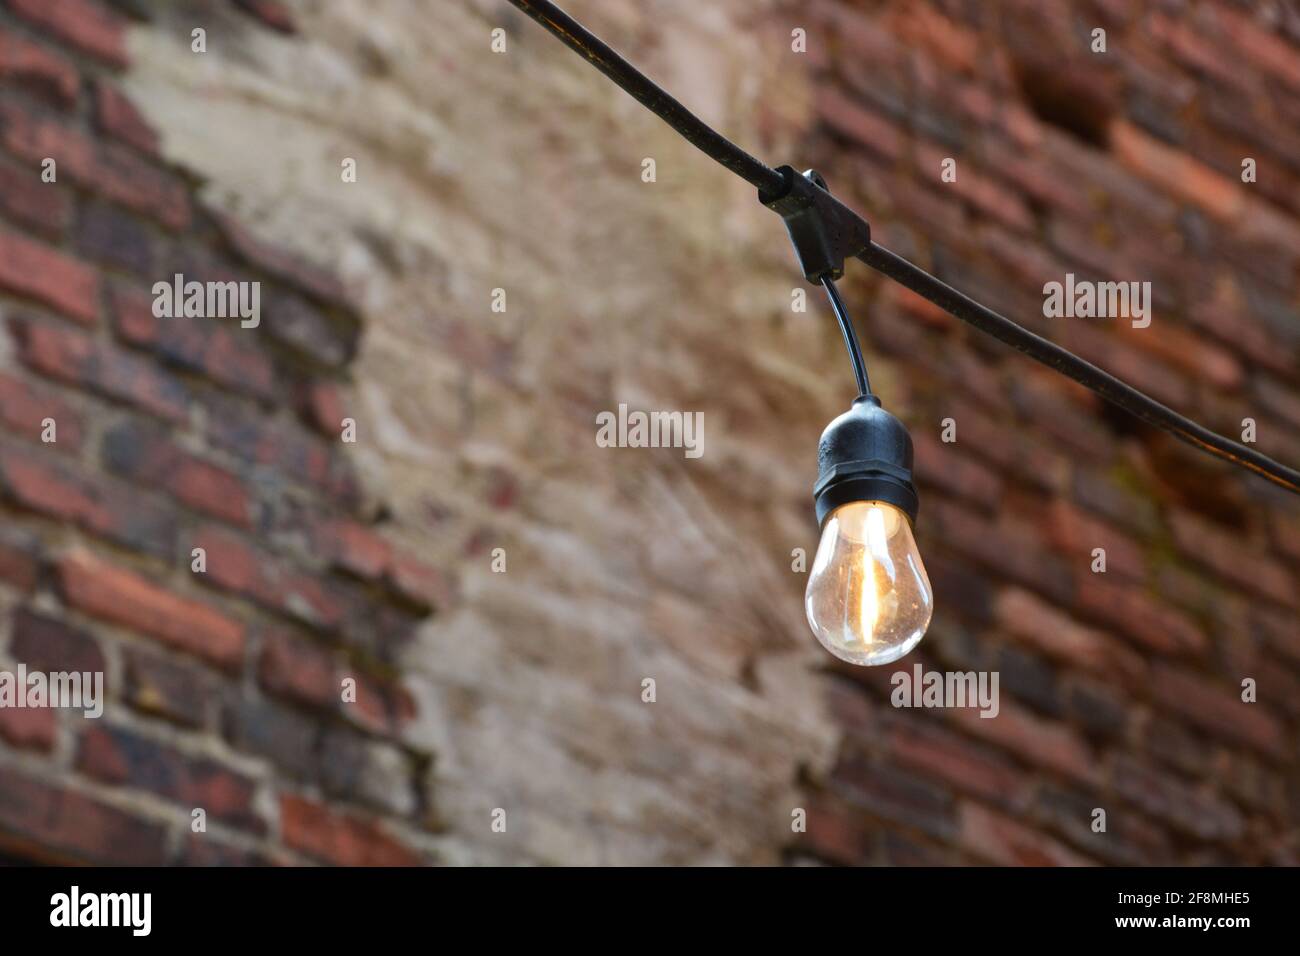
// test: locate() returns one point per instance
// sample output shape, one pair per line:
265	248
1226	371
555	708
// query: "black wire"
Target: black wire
762	176
698	133
850	337
1069	364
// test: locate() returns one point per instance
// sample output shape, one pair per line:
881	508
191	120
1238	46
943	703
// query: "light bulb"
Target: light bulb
869	599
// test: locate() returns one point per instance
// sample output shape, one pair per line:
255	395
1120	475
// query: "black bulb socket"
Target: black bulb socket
865	455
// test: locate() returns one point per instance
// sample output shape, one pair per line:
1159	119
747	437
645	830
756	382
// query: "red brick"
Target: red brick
1286	535
947	466
1201	53
1038	178
231	562
1052	408
1225	314
1007	548
1042	627
19	559
1256	247
33	66
68	826
289	738
1128	609
1165	797
237	566
1100	492
370	710
921	26
851	709
920	308
1180	174
360	551
118	117
1277	398
23	408
835	831
39	483
948	758
987	195
1035	740
123	758
121	176
28	201
317	282
322	404
109	169
77	359
1025	675
110	236
1081	247
1193	353
1076	533
167	688
1230	557
1250	782
896	796
122	597
1278	682
848	118
381	706
1010	449
34	137
198	345
86	25
284	446
1098	708
1003	841
1261	47
352	547
45	275
1217	709
1032	264
1278	630
149	458
342	840
859	33
1160	380
48	644
421	584
201	849
298	669
897	849
1171	742
29	728
916	200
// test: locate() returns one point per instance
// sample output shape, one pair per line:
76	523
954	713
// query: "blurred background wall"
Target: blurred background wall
521	691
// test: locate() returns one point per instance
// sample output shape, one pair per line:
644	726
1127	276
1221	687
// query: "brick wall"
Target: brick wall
1121	690
521	691
225	687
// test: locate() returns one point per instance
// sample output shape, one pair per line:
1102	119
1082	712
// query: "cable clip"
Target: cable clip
823	230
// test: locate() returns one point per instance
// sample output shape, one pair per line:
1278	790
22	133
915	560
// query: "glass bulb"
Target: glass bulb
868	599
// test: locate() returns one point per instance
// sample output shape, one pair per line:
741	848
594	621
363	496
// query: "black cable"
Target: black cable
696	132
766	179
1070	365
850	337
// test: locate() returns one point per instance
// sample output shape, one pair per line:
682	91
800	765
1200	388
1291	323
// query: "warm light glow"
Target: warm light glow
868	598
870	601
